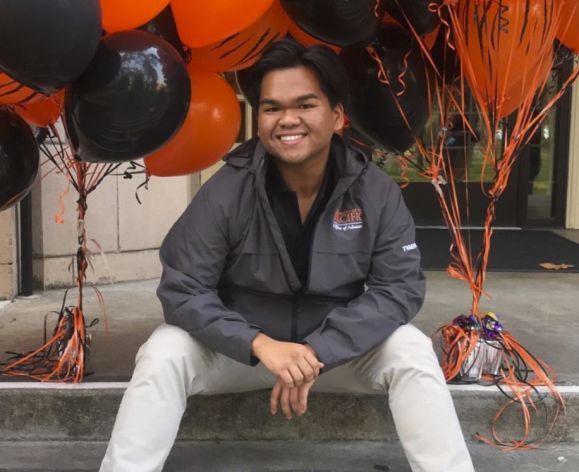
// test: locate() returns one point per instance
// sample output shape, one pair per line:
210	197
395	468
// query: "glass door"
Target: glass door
544	161
466	157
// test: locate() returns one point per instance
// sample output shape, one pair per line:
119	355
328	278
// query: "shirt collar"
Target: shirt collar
275	184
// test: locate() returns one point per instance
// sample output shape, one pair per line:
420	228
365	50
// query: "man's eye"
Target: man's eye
306	106
270	109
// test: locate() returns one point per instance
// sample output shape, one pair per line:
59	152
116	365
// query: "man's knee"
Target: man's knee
407	350
171	345
408	339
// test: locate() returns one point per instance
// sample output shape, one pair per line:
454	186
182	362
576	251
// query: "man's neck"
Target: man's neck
306	179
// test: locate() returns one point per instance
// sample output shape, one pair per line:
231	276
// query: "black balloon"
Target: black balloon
131	100
163	25
446	60
46	44
373	106
340	22
19	159
417	12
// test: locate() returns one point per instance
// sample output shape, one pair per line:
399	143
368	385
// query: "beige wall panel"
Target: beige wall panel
6	236
573	183
8	247
53	239
144	226
7	290
138	265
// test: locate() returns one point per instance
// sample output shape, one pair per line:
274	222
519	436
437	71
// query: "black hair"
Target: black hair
287	54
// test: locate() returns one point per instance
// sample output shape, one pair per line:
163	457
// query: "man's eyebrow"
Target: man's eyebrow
309	96
301	98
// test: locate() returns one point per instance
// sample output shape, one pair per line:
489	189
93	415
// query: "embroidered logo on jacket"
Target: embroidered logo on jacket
410	247
348	219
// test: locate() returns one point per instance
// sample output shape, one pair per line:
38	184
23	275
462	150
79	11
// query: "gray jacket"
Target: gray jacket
227	274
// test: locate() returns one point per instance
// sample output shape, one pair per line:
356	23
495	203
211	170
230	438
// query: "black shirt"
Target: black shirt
284	203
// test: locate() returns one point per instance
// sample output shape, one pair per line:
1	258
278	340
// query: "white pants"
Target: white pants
172	365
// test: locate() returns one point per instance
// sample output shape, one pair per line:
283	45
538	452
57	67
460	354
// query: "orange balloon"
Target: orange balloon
119	15
568	32
42	112
200	23
430	38
517	93
503	41
388	19
13	92
243	49
306	39
209	131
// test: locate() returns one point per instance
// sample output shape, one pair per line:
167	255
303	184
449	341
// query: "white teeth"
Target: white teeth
294	137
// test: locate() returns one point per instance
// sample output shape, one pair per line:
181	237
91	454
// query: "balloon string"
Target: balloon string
457	342
382	76
59	216
402	75
65	355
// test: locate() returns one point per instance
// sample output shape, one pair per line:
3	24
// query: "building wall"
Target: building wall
8	280
573	182
123	235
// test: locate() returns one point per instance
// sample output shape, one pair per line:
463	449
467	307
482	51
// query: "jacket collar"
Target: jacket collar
350	164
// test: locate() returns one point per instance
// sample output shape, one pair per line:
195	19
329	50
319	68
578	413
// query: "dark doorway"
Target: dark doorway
536	194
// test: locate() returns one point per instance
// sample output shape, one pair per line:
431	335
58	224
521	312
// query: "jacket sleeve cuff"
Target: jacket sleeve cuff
321	347
253	332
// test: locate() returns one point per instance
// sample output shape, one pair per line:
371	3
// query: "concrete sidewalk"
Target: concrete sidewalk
64	427
541	310
280	456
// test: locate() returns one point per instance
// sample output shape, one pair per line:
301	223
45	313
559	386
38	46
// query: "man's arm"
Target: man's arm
193	256
395	292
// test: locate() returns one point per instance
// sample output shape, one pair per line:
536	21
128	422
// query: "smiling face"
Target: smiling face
295	119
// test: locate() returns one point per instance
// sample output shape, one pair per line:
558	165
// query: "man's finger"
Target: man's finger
297	375
308	371
314	363
304	392
295	400
285	404
274	398
287	379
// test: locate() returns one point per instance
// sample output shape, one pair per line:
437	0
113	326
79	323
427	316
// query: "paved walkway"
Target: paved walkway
541	310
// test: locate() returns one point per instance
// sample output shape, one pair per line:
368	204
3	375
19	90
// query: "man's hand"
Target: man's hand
290	398
292	363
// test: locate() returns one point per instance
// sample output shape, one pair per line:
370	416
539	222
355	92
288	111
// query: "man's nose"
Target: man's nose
289	117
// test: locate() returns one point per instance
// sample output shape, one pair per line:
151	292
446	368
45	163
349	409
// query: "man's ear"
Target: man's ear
338	117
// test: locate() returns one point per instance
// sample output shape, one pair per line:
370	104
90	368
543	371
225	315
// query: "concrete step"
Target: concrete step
278	456
86	412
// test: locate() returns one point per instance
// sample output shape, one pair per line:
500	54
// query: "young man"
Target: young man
294	268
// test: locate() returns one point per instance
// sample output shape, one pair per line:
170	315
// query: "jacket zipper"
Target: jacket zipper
294	331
